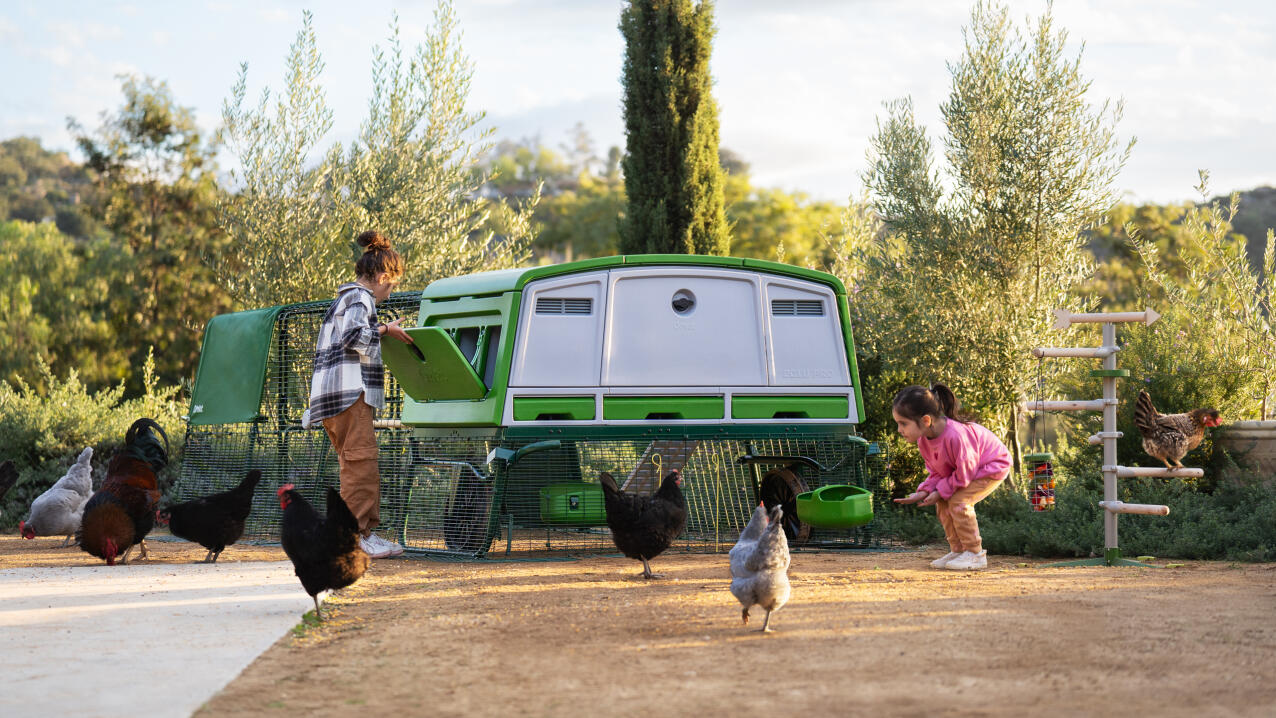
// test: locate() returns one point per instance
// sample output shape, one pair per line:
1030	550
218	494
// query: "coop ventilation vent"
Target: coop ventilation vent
797	308
557	305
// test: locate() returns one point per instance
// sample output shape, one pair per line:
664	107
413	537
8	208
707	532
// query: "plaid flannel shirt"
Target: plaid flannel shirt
347	356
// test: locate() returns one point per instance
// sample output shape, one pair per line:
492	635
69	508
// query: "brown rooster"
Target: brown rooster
122	512
1169	437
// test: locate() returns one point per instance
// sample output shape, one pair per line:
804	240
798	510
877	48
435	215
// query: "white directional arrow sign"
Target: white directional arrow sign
1064	318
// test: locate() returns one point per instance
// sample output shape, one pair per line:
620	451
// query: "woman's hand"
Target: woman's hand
393	329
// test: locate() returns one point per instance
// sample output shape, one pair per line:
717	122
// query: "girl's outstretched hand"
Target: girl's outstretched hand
393	329
913	497
931	499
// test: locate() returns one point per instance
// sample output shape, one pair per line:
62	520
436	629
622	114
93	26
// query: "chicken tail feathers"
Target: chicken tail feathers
249	484
1145	413
339	513
608	484
141	444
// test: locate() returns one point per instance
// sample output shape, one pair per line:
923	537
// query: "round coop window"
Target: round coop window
684	302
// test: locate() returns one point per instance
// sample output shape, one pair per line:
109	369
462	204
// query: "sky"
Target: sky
800	84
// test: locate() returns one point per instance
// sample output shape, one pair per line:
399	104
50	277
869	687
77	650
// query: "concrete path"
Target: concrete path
138	640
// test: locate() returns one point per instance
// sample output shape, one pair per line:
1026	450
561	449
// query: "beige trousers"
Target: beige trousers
355	442
957	513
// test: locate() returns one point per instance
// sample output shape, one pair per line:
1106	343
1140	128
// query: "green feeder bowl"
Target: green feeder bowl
574	504
837	506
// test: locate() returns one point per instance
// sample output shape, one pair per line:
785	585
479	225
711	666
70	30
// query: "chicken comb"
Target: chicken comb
285	487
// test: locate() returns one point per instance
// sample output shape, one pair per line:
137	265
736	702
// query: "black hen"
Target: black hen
214	521
324	552
644	526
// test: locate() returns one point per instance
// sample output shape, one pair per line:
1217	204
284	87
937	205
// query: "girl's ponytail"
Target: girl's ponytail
914	402
948	403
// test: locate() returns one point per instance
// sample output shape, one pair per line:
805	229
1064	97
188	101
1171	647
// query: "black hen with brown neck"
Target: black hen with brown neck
122	512
644	526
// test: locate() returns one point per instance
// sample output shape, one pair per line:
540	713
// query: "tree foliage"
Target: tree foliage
409	174
961	284
1221	300
156	191
38	185
673	179
54	306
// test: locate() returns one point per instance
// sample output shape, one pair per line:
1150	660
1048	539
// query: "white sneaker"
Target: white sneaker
942	561
969	561
385	548
371	548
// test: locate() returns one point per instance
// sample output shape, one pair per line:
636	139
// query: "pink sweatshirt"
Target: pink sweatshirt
962	453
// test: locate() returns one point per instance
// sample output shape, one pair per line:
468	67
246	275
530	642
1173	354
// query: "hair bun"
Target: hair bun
371	240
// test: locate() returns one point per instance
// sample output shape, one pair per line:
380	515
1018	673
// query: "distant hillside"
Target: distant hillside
1256	213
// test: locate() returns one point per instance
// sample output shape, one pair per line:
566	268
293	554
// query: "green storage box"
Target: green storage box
837	506
574	504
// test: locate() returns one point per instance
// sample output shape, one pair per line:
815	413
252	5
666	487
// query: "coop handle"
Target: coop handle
510	457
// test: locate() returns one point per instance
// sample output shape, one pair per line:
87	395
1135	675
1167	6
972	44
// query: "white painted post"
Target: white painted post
1109	441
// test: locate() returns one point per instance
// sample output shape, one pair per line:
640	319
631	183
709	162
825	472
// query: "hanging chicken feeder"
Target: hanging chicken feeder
1041	478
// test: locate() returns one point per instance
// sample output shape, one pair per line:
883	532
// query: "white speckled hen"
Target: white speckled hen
760	565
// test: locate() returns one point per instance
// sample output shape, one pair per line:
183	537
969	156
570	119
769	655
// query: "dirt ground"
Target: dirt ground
864	634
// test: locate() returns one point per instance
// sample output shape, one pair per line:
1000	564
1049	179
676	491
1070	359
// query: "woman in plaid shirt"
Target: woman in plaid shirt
349	382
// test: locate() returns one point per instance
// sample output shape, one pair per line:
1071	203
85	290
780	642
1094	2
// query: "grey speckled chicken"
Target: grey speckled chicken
760	564
57	512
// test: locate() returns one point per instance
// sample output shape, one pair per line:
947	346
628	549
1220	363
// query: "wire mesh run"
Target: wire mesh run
468	497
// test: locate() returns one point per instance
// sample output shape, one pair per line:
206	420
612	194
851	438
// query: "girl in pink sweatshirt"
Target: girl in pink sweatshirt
964	463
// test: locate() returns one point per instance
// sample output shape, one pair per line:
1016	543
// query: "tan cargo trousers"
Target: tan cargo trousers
957	513
355	442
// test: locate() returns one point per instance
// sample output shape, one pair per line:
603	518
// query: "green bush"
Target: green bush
44	431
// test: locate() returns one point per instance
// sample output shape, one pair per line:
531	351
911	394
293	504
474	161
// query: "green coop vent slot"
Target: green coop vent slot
432	367
561	305
797	308
790	407
553	408
639	408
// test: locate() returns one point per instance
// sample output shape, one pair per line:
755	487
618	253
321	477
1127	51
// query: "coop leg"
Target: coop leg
66	542
216	555
744	615
208	557
766	622
145	554
318	615
124	558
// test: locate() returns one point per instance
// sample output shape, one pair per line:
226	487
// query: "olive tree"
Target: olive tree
975	253
410	173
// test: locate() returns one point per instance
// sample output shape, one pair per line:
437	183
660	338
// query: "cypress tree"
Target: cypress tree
672	177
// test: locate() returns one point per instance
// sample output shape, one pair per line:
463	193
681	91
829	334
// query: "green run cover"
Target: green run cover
232	367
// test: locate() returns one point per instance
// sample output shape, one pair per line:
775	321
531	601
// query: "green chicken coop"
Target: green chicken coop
520	386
